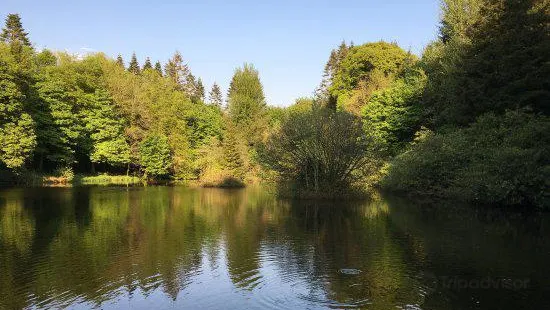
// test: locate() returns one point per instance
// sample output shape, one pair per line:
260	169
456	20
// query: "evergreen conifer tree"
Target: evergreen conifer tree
13	31
190	86
322	93
147	64
134	65
178	71
120	61
215	96
233	160
200	90
158	67
246	102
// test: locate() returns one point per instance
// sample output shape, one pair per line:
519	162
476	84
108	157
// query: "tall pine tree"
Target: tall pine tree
134	65
158	67
322	93
147	64
177	71
508	65
13	31
232	155
246	103
192	88
120	61
458	19
491	61
200	90
215	96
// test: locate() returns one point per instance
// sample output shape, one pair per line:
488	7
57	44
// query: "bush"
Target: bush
317	153
497	160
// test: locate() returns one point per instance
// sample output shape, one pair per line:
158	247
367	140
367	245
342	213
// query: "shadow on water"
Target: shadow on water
113	247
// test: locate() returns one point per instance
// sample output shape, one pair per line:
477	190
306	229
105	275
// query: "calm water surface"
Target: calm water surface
174	247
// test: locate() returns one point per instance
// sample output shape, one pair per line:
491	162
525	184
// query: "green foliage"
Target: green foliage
58	126
120	61
204	121
246	124
66	173
489	61
519	76
106	130
61	112
215	97
45	58
178	71
93	111
214	163
17	136
322	93
275	116
233	153
105	179
17	141
154	155
394	114
158	68
134	65
151	103
246	102
190	87
366	68
303	105
74	113
502	160
200	90
147	65
318	151
487	98
13	32
458	19
481	89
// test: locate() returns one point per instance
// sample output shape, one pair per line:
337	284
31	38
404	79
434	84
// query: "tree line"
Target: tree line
62	113
467	119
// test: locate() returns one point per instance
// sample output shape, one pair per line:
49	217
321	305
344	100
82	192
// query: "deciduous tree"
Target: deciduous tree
17	136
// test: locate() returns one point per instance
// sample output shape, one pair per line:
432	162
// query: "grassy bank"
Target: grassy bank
30	178
105	179
67	178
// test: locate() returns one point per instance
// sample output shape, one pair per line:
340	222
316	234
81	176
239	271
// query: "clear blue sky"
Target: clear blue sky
287	40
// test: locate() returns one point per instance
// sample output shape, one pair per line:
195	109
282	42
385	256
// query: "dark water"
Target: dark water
172	247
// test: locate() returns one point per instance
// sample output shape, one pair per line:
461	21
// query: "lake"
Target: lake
176	247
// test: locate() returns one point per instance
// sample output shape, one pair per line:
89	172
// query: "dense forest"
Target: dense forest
467	120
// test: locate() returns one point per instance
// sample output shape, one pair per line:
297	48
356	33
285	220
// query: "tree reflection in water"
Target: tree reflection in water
135	247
